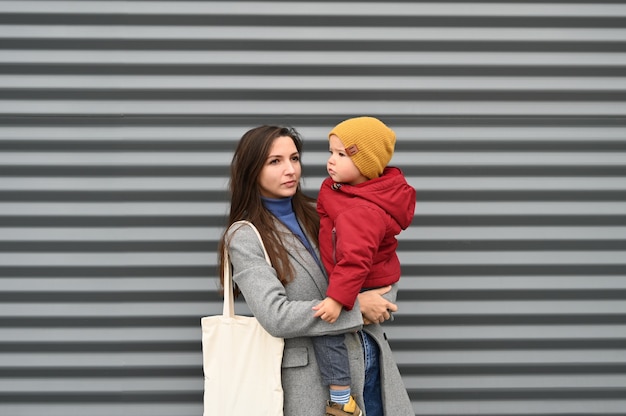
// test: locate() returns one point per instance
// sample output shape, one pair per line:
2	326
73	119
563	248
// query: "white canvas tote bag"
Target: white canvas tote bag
241	360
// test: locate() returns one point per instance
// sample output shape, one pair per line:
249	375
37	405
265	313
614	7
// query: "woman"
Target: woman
265	189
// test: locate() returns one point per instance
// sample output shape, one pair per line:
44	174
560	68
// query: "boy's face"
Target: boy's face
340	166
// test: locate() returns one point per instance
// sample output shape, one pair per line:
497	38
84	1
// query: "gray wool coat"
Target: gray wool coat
285	311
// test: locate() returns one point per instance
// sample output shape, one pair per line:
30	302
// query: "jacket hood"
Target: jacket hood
390	192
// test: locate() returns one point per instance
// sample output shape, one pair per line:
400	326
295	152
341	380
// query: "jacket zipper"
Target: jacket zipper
334	236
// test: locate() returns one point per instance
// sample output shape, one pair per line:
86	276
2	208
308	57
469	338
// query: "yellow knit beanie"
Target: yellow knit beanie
368	141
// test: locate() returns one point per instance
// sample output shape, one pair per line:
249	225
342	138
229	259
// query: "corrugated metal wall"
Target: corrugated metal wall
117	123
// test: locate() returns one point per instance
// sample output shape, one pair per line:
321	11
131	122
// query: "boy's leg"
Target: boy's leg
334	365
332	359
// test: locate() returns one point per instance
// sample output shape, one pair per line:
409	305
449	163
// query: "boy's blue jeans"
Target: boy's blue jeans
332	359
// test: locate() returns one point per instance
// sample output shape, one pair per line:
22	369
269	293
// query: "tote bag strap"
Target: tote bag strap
229	298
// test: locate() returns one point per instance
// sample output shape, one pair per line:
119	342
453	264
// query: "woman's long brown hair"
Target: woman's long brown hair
245	198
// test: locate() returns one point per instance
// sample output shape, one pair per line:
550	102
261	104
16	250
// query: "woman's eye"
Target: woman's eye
296	158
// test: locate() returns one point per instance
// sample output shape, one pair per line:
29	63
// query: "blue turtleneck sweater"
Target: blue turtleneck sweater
283	210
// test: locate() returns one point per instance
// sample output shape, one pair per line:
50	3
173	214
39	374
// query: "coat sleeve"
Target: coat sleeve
392	295
267	299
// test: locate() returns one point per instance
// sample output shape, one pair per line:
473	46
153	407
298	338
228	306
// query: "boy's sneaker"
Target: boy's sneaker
348	409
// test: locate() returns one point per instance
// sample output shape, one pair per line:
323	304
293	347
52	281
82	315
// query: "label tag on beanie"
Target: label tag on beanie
352	150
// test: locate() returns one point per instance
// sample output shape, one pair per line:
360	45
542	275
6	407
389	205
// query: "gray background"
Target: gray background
117	125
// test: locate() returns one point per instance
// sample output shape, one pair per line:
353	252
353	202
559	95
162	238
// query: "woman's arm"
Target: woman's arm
267	299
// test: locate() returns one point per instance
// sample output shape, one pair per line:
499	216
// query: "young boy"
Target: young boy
363	205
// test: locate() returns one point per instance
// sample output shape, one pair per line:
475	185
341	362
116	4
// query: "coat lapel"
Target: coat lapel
301	256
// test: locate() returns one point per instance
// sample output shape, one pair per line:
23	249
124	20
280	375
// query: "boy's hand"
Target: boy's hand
328	310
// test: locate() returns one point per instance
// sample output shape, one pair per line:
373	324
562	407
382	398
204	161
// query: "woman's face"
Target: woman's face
281	172
340	166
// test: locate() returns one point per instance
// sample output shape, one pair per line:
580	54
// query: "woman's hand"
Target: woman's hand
374	307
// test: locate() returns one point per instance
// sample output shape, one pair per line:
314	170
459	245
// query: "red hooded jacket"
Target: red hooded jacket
358	228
